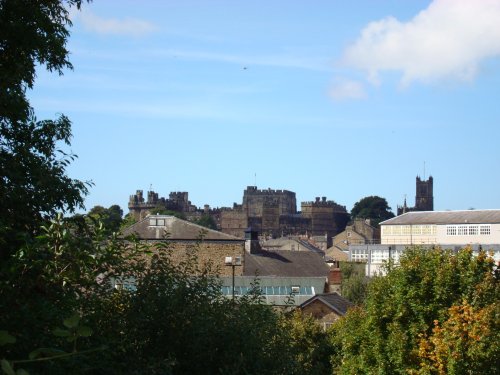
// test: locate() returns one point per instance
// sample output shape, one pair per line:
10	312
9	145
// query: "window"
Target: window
485	229
451	230
468	230
156	222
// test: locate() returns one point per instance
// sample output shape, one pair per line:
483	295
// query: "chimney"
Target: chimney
335	278
252	245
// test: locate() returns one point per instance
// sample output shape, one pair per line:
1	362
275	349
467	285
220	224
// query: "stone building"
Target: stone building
182	236
326	308
273	213
424	197
176	202
280	273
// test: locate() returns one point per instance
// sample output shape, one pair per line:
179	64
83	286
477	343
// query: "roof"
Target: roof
285	263
333	300
154	227
446	217
337	254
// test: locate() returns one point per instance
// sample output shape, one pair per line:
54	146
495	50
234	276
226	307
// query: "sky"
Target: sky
343	99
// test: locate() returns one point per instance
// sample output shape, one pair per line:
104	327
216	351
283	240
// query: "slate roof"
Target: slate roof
285	263
176	228
333	300
446	217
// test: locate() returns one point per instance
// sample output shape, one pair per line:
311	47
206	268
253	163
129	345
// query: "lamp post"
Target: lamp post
233	262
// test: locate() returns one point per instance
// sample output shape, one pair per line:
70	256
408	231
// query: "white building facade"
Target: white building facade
479	229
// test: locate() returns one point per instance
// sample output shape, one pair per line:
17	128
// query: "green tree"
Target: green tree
206	221
354	282
111	218
34	183
402	307
374	208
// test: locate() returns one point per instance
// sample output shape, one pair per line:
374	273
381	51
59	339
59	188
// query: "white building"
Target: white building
449	229
481	227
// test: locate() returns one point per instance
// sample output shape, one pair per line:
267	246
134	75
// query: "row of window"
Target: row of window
468	230
269	290
406	230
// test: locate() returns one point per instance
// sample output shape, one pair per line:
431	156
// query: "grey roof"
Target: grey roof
446	217
285	263
177	229
333	300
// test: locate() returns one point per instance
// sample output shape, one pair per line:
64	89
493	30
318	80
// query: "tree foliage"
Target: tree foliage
110	218
174	319
403	307
33	177
206	221
373	207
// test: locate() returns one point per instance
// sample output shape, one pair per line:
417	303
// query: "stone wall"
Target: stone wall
213	252
320	312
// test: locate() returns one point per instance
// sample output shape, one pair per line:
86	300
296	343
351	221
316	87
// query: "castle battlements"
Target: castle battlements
253	190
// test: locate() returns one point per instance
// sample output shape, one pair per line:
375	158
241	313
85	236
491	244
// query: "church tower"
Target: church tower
424	199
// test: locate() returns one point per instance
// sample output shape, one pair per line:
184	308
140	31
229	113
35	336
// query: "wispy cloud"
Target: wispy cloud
284	60
347	89
126	26
446	41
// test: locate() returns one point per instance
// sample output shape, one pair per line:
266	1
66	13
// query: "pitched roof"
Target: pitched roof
336	254
285	263
154	227
446	217
333	300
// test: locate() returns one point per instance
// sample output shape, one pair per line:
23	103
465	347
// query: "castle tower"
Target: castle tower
424	199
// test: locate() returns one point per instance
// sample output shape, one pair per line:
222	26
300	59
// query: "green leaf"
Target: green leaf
72	321
84	331
6	338
61	332
45	353
7	368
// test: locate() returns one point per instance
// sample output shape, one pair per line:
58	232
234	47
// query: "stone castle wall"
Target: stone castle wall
272	213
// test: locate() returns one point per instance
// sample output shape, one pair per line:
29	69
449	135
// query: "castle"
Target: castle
424	198
272	213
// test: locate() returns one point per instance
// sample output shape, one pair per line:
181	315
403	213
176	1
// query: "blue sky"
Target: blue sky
324	98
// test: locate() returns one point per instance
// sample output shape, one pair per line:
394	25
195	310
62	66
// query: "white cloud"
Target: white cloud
346	89
125	26
448	40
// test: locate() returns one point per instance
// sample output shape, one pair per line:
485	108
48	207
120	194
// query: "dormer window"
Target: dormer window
156	222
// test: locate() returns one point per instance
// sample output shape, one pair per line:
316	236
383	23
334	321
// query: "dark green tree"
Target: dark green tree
206	221
33	180
374	208
111	218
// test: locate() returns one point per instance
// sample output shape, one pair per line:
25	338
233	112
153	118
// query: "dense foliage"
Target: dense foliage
354	282
374	208
65	314
33	180
410	322
110	218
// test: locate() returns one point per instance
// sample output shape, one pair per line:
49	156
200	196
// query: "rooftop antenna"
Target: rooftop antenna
424	170
255	179
150	187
